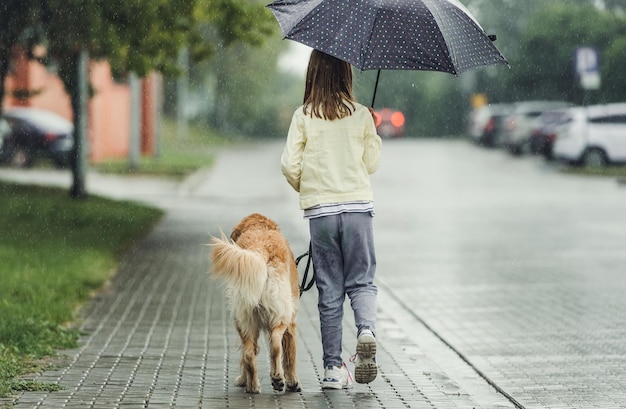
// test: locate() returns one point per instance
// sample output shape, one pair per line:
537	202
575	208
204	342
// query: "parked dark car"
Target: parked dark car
5	141
544	134
37	132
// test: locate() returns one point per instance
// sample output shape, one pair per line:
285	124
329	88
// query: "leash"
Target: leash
306	286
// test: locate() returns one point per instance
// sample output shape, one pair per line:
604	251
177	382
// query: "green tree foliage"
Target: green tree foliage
614	72
544	64
616	5
144	35
15	20
134	35
252	95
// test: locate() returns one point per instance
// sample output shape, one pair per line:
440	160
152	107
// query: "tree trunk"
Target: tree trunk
79	96
5	58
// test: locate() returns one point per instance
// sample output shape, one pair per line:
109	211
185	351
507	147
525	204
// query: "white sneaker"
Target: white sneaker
365	370
336	377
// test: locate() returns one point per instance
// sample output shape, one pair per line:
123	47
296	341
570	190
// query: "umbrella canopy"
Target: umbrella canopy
430	35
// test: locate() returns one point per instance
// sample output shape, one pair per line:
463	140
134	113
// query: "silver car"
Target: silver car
524	118
592	136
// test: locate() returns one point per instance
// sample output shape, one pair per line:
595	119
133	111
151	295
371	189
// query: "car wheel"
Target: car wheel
594	158
60	163
7	148
514	149
22	158
547	153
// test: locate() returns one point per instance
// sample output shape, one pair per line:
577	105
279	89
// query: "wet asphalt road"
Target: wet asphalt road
520	268
495	272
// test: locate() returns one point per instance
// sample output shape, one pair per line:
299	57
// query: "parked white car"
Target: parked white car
593	135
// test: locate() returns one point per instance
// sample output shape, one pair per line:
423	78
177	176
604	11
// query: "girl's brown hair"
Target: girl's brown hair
328	90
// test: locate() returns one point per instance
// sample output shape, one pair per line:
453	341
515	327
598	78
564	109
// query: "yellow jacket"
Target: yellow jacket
330	161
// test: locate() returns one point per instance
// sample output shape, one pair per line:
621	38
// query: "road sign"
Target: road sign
588	67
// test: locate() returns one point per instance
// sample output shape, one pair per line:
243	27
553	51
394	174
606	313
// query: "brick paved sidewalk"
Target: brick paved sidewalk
539	310
160	335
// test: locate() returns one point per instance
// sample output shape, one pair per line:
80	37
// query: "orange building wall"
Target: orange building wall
109	108
109	113
46	88
51	94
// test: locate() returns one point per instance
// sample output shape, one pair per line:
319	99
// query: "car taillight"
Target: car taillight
50	137
397	119
491	123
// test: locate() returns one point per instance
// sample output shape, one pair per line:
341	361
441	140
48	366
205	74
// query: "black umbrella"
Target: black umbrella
430	35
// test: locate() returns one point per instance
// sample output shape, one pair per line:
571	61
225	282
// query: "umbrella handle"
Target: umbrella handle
375	88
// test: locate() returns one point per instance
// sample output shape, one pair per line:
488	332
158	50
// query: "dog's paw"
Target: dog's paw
294	387
240	381
278	384
254	388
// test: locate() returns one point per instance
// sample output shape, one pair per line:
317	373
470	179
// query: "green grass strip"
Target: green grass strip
177	156
54	253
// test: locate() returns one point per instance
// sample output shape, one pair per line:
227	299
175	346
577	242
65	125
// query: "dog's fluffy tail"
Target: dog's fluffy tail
243	271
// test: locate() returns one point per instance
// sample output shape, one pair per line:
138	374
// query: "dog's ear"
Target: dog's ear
235	234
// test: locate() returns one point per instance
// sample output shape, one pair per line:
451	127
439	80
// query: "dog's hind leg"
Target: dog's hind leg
276	357
289	359
241	379
249	350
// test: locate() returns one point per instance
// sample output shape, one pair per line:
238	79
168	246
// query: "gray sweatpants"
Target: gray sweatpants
345	263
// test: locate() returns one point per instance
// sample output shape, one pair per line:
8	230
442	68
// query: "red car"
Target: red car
389	123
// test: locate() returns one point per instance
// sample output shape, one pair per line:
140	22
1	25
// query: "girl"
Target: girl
331	149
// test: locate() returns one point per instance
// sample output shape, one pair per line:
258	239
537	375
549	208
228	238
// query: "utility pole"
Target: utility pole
182	94
135	122
79	159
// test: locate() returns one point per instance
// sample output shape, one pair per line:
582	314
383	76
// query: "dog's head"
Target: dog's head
255	221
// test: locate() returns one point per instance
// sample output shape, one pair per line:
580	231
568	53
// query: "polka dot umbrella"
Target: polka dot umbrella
430	35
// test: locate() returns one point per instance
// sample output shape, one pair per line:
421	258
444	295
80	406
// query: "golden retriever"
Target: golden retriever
259	270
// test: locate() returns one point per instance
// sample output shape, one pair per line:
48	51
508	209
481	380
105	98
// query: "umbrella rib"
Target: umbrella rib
432	9
459	65
287	33
368	48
